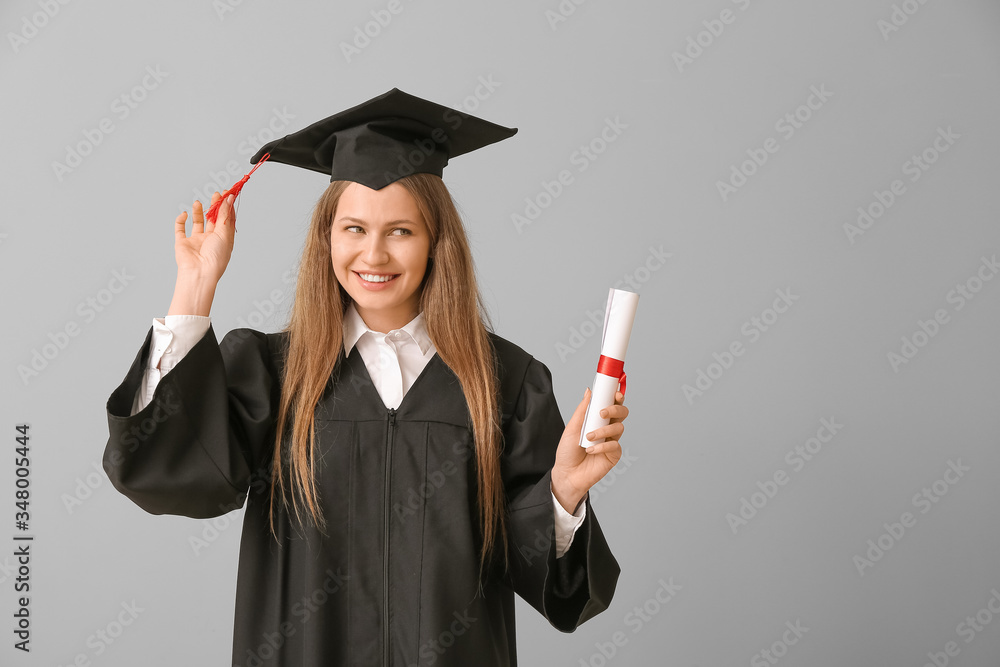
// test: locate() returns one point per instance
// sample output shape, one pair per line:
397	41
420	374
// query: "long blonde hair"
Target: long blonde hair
456	321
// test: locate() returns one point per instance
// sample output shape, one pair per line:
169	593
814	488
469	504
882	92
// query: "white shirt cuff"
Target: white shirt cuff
173	337
567	524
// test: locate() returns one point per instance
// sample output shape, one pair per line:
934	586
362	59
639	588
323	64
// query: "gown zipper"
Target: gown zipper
390	430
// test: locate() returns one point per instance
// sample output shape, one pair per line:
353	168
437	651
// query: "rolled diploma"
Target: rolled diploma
618	318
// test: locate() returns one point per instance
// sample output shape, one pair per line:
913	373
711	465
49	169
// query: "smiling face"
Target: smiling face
379	243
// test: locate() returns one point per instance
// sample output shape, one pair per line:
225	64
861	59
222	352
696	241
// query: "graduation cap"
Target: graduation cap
379	141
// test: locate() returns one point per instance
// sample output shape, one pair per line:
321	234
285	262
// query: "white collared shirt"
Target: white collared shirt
394	360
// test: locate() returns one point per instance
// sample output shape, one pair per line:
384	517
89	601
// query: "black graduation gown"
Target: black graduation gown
395	580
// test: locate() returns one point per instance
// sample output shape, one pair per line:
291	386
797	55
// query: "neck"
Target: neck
385	322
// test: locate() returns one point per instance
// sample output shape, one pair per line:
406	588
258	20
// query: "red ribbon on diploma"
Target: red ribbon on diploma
613	368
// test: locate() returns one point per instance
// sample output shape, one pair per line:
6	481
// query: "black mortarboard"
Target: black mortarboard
380	141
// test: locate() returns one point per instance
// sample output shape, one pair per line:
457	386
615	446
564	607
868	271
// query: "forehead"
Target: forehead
389	203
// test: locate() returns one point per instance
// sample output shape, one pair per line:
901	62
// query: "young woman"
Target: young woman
405	470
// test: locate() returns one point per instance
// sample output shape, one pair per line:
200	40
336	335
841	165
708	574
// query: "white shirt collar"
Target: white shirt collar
355	328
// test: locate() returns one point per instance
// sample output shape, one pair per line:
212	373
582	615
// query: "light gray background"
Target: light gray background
691	462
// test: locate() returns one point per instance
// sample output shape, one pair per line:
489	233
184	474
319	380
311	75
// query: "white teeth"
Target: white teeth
375	279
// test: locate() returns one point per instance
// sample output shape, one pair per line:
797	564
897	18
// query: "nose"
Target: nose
375	251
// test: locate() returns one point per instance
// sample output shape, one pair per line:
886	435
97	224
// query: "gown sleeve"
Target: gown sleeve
206	432
578	586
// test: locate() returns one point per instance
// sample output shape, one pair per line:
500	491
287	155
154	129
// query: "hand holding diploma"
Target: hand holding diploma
578	468
589	447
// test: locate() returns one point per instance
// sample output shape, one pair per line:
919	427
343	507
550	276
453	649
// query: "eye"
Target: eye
347	229
402	229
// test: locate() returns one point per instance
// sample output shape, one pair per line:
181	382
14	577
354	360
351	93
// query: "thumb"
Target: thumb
227	216
576	421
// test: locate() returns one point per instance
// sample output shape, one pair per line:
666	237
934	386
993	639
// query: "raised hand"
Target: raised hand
205	254
202	258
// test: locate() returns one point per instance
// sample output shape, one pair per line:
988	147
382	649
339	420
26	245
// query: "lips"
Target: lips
376	282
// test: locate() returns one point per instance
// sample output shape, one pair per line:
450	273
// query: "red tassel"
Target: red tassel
213	212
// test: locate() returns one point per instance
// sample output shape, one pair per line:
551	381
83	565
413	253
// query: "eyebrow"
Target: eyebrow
362	222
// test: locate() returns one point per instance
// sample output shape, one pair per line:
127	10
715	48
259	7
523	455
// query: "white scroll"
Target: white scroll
618	318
